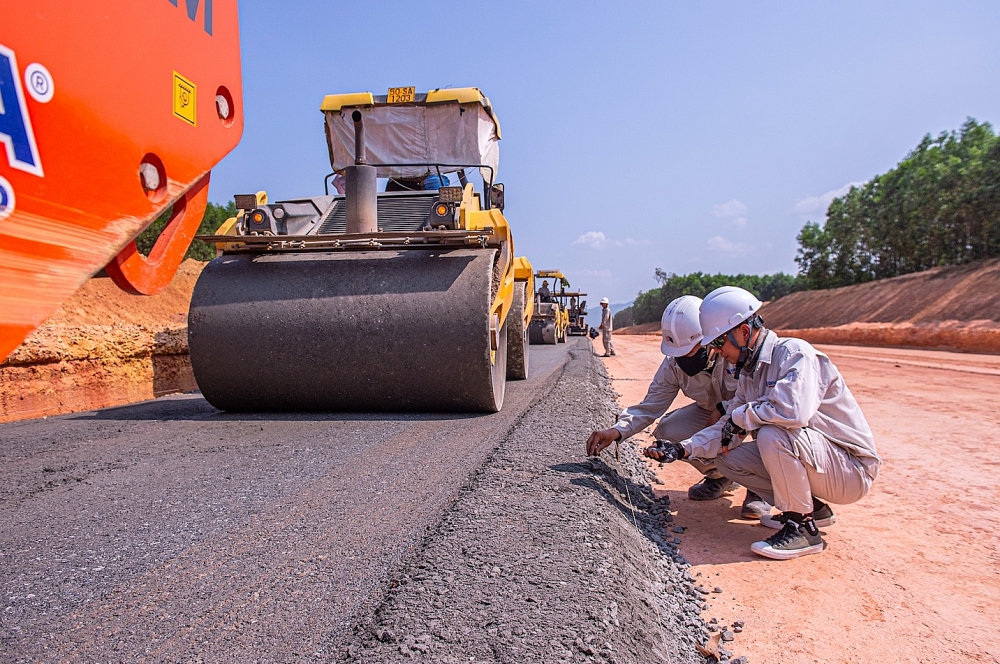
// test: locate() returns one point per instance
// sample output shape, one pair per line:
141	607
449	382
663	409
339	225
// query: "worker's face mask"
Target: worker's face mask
694	364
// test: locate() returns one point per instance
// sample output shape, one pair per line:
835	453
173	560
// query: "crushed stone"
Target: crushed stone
545	556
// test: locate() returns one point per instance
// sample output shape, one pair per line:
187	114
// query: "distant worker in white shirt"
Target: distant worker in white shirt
605	328
810	441
705	378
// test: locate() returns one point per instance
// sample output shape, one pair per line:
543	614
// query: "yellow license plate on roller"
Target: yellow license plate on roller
401	95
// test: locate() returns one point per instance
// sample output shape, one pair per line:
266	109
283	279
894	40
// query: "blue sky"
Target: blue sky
680	135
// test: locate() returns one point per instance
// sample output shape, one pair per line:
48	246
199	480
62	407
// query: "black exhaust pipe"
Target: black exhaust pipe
361	186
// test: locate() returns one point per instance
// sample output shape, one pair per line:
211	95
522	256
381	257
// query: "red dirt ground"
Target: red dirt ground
102	348
911	572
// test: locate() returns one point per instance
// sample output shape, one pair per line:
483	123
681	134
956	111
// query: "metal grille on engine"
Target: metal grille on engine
396	212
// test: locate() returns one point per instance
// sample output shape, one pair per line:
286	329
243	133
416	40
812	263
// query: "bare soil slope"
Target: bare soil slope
102	348
950	308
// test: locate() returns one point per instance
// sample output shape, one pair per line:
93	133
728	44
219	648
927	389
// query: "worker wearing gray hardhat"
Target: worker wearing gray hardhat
705	378
810	441
605	328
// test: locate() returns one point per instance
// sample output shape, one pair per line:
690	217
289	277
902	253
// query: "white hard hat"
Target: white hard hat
725	308
605	300
681	327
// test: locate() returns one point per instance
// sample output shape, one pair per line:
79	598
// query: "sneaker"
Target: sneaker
754	507
710	489
792	541
822	515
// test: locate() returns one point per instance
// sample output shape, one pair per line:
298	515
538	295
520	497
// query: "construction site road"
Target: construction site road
171	531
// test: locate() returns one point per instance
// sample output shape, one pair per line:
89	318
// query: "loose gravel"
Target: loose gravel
546	556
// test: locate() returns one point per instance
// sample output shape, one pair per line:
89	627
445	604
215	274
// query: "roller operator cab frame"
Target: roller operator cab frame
398	300
550	322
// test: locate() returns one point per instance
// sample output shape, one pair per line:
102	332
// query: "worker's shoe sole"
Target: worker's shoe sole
710	489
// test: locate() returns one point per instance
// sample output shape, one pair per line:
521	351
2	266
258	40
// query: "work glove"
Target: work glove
730	429
664	451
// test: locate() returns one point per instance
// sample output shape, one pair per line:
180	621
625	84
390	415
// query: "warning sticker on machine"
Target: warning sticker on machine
184	99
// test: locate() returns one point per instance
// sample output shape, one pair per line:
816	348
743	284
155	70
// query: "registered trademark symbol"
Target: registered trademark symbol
39	82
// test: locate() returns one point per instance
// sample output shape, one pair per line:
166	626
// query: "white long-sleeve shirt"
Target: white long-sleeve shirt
606	321
793	386
707	388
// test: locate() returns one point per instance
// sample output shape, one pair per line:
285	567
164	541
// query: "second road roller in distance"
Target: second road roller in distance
399	299
551	319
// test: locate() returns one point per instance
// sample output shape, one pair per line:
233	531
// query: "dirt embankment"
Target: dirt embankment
947	308
102	348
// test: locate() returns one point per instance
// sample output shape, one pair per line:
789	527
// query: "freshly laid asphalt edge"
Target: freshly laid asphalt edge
545	556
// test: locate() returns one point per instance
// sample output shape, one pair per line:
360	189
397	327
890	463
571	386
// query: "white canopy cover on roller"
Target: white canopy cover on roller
443	133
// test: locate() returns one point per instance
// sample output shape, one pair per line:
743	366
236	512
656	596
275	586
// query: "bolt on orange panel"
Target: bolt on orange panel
110	111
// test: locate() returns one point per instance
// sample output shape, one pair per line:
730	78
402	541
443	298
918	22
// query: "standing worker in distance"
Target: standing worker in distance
605	328
811	442
704	377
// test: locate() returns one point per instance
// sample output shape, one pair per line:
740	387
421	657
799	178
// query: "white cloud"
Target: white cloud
598	240
629	242
721	245
817	205
593	239
741	222
733	208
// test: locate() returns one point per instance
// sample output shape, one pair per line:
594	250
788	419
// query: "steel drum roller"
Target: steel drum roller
347	331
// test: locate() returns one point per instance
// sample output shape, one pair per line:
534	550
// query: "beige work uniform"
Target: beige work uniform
609	348
810	437
710	390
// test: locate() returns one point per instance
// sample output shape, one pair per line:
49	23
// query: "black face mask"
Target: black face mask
694	364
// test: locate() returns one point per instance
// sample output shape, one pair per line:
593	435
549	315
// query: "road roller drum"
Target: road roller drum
348	331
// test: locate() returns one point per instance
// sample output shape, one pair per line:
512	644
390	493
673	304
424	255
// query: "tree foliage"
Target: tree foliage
649	305
939	206
215	216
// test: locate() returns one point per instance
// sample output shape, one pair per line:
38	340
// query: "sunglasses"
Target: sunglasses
718	342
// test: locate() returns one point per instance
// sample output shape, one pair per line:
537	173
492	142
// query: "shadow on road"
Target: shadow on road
192	406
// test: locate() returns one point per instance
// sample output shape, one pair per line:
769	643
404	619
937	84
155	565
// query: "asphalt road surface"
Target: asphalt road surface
168	530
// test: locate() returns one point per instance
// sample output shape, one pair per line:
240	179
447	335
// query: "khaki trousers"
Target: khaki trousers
609	348
787	467
683	423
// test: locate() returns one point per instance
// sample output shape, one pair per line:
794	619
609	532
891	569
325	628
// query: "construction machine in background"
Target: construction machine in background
551	319
522	309
109	116
576	312
405	299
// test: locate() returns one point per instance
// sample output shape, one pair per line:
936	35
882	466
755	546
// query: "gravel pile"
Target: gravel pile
545	556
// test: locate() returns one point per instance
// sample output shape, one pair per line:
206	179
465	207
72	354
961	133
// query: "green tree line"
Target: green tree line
215	216
939	206
649	305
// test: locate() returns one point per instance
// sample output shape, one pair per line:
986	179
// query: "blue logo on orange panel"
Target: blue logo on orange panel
15	124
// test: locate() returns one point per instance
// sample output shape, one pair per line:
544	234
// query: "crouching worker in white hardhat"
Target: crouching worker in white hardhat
810	443
705	378
605	328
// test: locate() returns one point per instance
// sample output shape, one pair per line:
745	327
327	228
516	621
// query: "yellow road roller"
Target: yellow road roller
393	291
522	310
550	320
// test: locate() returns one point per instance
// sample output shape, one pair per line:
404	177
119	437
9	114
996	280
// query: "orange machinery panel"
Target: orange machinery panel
110	112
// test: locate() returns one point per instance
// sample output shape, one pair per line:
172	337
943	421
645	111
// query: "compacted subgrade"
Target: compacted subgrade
545	556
